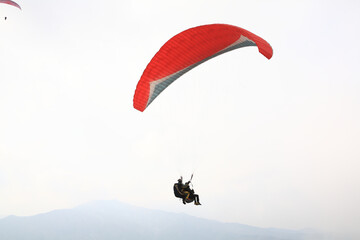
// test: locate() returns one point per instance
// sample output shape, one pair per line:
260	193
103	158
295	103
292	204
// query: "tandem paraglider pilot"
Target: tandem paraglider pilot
184	192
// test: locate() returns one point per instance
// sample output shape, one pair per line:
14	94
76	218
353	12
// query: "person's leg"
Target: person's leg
197	201
186	196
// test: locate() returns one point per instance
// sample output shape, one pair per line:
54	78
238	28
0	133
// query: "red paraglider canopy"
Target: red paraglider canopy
187	50
11	3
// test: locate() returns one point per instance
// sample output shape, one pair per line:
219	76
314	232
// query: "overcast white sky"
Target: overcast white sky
274	143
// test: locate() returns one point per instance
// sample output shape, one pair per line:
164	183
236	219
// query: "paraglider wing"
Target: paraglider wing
11	3
187	50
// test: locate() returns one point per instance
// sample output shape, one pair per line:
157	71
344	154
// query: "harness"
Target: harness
177	191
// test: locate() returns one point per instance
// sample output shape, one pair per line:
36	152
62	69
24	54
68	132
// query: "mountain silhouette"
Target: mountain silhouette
110	220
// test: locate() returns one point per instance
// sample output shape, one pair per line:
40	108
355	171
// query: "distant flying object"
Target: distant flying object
11	3
187	50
